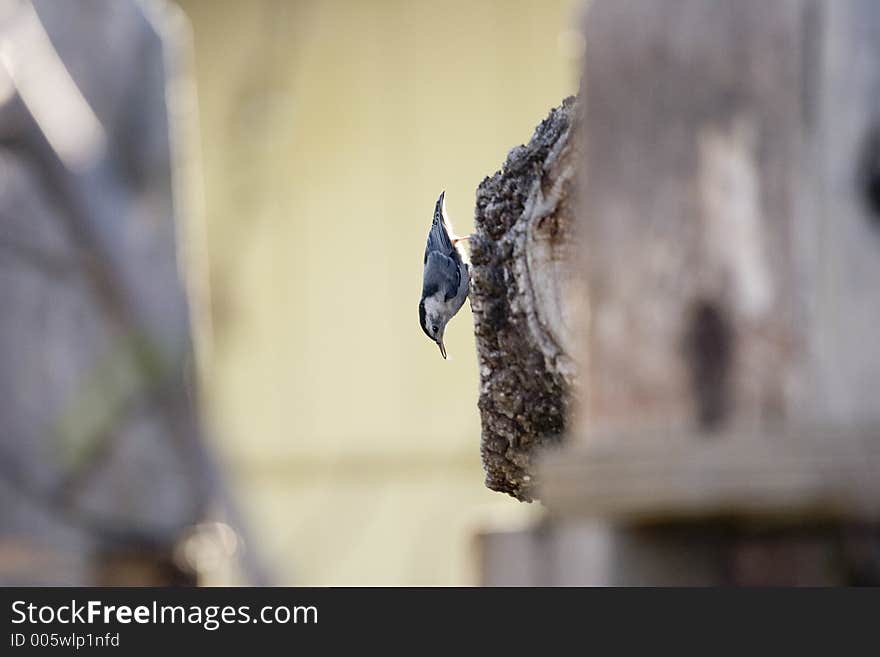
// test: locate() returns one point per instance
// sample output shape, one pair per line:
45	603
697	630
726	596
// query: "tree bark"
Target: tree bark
520	255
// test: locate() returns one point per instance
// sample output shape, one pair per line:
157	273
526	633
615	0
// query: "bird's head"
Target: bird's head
433	317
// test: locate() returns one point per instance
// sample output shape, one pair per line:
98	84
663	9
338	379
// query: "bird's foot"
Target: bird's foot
456	240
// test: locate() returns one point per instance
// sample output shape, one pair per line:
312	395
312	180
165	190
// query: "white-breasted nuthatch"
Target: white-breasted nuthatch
445	279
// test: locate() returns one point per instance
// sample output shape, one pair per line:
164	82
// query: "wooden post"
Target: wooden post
727	428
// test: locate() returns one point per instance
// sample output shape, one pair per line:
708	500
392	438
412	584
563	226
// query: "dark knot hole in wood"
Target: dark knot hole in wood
708	345
869	175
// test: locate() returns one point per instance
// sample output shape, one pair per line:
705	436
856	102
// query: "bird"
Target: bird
446	277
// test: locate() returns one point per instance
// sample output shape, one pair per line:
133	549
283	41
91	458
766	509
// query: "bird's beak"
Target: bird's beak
442	348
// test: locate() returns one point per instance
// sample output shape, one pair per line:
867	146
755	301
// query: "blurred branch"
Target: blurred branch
102	164
47	262
106	530
93	221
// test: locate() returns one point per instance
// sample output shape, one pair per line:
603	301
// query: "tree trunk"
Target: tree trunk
520	255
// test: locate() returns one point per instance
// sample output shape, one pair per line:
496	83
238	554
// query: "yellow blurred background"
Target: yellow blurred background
328	129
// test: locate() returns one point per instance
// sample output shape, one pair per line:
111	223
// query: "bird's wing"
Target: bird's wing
441	273
438	236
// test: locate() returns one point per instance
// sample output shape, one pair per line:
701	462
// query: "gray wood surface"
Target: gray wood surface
693	131
729	252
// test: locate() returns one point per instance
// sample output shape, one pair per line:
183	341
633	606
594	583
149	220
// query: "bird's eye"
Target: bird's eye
434	328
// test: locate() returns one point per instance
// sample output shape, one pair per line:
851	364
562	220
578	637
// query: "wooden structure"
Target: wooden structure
725	424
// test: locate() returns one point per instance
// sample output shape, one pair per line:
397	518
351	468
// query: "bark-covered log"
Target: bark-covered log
519	257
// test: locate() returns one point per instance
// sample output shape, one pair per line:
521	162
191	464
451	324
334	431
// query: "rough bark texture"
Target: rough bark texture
519	257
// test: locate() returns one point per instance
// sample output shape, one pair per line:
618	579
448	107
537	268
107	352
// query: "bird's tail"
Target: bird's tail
439	214
440	237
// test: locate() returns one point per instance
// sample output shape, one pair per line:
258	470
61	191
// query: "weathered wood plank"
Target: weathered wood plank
692	138
806	475
729	254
